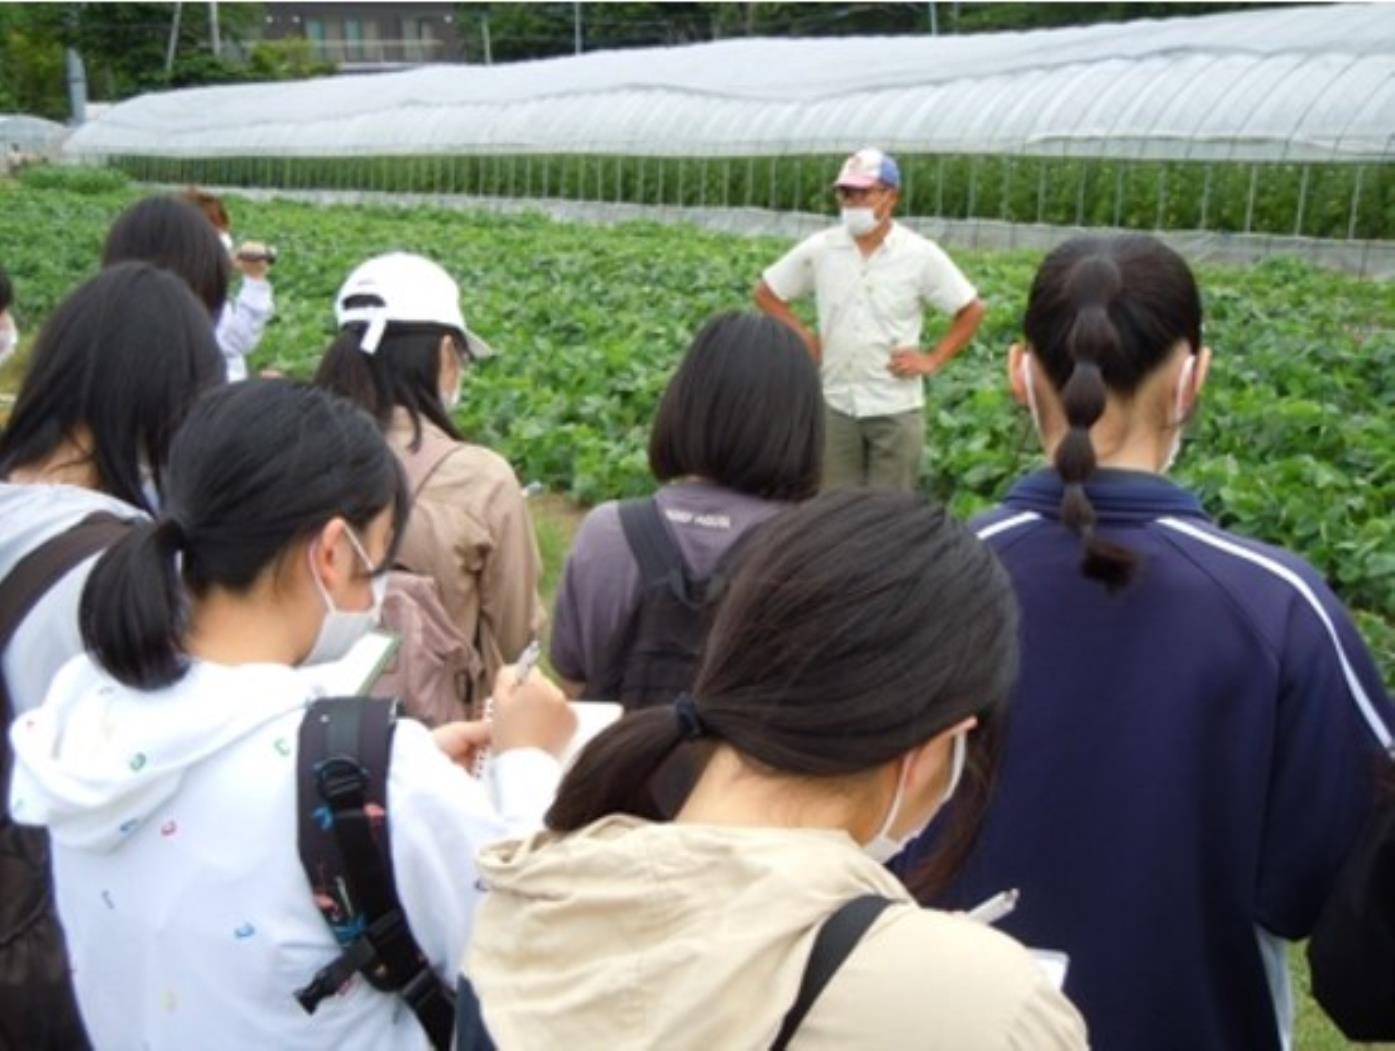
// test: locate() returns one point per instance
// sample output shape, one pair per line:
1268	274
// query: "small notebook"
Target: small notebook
591	718
1055	964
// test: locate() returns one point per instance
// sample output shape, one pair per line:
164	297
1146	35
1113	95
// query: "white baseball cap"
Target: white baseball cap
409	289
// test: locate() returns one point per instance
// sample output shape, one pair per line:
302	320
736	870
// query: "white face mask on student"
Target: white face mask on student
859	222
882	847
341	628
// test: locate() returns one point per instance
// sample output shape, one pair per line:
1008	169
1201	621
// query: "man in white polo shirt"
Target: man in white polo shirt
872	279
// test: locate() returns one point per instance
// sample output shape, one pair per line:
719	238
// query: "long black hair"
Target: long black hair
744	410
1102	315
174	235
857	626
258	466
123	357
404	371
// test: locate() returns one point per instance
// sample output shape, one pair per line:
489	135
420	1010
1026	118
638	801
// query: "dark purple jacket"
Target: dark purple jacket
1187	764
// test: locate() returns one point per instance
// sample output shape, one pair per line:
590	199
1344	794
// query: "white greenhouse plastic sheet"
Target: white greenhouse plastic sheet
1367	258
1288	83
29	134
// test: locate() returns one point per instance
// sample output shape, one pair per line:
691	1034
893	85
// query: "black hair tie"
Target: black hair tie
690	724
170	532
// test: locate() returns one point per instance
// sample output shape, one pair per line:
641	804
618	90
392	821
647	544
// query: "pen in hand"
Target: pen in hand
996	907
523	667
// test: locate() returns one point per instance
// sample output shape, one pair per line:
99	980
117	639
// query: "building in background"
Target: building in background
370	36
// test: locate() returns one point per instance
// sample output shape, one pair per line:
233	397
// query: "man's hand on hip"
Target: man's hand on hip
909	362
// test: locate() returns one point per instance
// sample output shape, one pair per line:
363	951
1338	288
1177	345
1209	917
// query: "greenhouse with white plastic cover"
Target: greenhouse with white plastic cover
1240	134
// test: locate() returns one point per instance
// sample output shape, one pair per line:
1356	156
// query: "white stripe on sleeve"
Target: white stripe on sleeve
1007	523
1358	691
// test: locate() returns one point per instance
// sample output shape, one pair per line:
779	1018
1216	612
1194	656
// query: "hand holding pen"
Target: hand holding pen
527	710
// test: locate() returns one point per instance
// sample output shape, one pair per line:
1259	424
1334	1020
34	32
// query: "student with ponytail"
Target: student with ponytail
164	763
1198	728
113	374
863	649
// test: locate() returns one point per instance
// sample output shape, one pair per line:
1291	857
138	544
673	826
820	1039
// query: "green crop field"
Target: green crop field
1312	199
1294	443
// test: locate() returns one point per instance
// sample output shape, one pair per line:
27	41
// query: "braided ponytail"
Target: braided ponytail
1103	315
1093	285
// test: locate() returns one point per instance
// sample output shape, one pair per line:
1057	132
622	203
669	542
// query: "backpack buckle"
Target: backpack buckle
342	780
422	989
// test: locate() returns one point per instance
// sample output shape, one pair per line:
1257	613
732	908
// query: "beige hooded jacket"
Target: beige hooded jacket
630	934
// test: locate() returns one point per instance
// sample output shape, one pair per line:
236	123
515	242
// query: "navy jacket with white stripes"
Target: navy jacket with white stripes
1187	763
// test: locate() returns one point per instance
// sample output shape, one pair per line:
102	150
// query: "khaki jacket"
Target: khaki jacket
470	531
630	934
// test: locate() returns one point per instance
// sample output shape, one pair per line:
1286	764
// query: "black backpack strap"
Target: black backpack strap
37	572
660	561
31	579
343	830
836	940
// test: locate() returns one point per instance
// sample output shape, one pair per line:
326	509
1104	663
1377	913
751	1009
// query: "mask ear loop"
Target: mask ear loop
1188	367
1178	415
1026	374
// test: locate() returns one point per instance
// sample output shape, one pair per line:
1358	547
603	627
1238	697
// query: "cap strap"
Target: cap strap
373	335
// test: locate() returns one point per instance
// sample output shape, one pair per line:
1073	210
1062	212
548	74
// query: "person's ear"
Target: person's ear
1200	372
329	559
1017	372
448	372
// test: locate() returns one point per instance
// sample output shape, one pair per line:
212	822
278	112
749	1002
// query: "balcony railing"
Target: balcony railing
378	52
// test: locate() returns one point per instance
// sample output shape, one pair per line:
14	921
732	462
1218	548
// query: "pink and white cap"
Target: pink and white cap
869	167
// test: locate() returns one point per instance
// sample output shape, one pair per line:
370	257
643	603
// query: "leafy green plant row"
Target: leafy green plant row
1317	200
1293	443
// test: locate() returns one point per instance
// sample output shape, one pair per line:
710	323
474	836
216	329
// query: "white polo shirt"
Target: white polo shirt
868	308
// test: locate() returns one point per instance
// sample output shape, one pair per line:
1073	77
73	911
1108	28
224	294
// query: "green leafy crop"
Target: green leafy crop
1293	443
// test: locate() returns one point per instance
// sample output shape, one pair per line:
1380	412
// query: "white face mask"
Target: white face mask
859	221
1178	412
9	338
881	847
342	628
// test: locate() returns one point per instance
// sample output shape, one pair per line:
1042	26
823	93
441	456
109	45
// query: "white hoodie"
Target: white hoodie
172	812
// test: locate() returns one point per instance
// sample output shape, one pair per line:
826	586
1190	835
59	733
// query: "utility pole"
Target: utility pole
213	37
576	25
174	39
484	33
934	20
77	86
